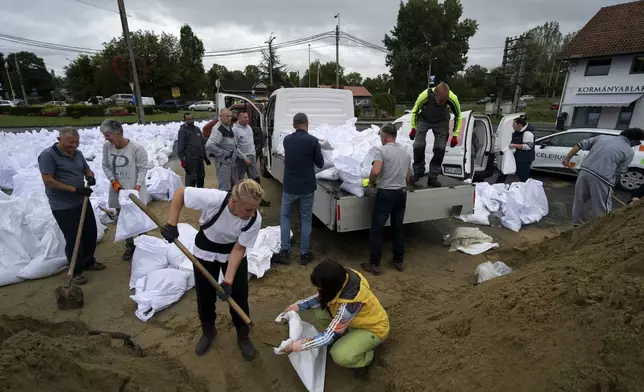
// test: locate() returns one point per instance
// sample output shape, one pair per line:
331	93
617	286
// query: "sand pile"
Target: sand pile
568	319
36	356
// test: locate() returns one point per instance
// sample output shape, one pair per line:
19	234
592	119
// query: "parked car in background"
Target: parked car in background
203	105
554	106
526	98
94	100
5	103
18	102
172	104
551	150
56	103
484	100
186	104
120	99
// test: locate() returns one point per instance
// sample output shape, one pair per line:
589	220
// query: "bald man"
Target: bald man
222	147
431	113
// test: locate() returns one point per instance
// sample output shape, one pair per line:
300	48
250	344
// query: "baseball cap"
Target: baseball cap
300	118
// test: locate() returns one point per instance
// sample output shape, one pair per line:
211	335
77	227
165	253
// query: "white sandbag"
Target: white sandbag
51	259
9	275
132	220
149	255
187	236
259	256
330	174
310	365
512	215
188	267
507	163
489	270
162	183
535	202
158	290
470	240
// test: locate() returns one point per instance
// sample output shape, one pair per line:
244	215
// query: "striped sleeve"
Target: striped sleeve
346	313
311	302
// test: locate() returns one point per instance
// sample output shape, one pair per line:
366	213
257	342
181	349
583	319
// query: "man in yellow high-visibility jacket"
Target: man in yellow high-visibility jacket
431	113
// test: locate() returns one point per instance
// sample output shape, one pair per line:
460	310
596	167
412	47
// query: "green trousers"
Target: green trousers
354	349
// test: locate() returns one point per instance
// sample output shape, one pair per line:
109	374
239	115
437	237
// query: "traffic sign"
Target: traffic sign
176	92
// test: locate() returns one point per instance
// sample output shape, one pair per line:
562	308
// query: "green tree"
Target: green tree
252	73
427	29
384	102
80	77
475	77
353	79
215	72
382	83
272	59
34	74
191	65
294	78
313	70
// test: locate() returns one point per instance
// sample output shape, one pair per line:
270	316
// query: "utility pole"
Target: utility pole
523	41
22	85
318	85
130	52
429	72
500	81
270	58
309	65
13	93
337	52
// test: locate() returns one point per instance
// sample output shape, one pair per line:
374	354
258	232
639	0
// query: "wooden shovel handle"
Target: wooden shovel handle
193	259
79	235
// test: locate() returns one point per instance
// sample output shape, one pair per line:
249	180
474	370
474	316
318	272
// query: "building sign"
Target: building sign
176	93
612	89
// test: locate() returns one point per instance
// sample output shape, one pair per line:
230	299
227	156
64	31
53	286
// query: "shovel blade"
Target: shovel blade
68	298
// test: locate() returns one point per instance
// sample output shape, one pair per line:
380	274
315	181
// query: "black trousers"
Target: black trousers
68	221
389	203
207	295
195	172
523	171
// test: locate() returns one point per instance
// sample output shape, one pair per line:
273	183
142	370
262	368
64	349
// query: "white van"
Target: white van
342	211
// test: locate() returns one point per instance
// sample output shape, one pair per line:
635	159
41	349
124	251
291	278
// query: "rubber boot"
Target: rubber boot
419	160
208	333
245	345
129	252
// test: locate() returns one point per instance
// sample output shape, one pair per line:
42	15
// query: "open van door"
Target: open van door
458	160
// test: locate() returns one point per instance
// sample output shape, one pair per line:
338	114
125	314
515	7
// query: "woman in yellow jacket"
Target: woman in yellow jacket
350	315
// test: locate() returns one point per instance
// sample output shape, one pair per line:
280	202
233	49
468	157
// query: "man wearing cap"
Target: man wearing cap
302	153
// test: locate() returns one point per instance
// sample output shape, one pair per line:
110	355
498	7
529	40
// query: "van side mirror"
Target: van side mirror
544	144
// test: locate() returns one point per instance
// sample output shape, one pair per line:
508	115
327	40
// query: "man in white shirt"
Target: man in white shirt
247	163
230	223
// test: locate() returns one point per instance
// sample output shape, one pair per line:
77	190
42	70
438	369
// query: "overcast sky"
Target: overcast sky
226	25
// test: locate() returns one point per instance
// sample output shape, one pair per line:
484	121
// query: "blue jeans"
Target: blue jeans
306	216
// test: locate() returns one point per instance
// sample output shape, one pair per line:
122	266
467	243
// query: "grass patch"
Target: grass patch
8	121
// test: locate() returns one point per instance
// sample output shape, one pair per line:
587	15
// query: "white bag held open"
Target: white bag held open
131	221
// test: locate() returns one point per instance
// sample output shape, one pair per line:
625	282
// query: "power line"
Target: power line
116	12
46	45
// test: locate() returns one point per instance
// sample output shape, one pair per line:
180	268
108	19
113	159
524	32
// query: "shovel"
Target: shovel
194	261
71	296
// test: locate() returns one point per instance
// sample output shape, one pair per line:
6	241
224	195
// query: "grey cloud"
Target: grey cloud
248	23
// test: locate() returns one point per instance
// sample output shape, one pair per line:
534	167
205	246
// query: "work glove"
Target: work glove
228	288
116	186
206	161
412	134
85	191
454	142
91	181
170	232
183	164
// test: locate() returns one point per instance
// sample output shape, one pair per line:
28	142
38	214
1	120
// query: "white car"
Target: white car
4	103
56	103
203	105
551	150
526	98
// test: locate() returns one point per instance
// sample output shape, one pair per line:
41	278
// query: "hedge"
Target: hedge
84	110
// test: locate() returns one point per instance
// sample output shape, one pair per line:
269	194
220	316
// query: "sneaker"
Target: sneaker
79	280
433	182
129	251
96	267
398	265
265	203
306	258
374	269
284	257
415	178
247	349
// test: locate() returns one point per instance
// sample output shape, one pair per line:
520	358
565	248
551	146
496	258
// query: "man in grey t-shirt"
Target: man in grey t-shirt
64	170
125	164
390	173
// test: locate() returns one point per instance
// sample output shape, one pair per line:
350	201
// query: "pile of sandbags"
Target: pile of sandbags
34	246
517	204
348	153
